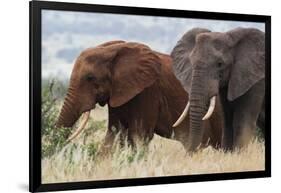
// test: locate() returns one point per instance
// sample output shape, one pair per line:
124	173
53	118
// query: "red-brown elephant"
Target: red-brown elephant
143	95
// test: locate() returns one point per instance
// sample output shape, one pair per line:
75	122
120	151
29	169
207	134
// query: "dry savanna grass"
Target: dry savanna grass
80	160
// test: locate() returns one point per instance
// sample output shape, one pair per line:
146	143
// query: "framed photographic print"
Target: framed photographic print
125	96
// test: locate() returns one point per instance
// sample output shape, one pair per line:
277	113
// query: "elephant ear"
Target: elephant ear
134	68
180	54
249	60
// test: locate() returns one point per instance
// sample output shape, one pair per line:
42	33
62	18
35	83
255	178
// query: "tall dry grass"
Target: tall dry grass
164	157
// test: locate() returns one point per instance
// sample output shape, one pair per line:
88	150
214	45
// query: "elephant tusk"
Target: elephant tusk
85	119
183	115
211	108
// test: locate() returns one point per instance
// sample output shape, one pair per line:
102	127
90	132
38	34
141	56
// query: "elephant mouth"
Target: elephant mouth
102	99
207	115
85	115
85	118
102	103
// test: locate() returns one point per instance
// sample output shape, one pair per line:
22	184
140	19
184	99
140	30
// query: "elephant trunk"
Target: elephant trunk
69	112
198	107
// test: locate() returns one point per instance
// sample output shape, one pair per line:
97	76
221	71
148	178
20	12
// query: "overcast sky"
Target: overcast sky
65	34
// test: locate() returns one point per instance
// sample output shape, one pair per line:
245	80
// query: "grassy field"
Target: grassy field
81	161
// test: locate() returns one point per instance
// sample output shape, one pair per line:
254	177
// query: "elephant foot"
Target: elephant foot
190	150
243	141
227	146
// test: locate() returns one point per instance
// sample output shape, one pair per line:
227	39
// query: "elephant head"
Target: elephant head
112	73
206	62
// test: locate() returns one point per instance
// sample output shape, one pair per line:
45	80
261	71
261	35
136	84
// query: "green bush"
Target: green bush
92	150
260	134
52	137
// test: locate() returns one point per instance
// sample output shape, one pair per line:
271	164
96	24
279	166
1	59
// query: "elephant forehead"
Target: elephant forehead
203	55
201	50
80	66
203	38
93	55
209	45
211	37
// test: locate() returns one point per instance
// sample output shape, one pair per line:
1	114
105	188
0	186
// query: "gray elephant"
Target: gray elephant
230	65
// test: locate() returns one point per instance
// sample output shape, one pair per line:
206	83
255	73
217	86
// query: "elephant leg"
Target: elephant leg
227	141
115	128
213	136
247	110
143	115
180	133
141	128
137	133
109	138
261	120
216	126
111	134
244	126
228	129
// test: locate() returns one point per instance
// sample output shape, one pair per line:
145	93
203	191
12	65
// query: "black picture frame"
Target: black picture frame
35	8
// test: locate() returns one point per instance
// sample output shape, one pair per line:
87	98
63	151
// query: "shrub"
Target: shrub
52	138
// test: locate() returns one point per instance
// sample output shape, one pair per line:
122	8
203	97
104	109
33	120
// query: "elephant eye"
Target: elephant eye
219	64
90	77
